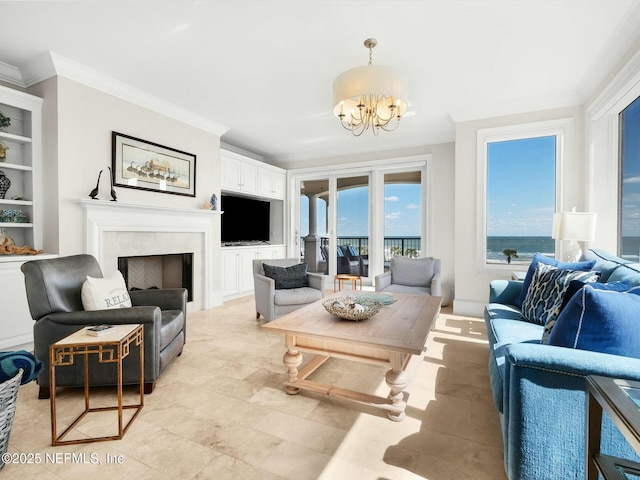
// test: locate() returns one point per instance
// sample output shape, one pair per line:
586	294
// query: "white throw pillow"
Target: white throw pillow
105	293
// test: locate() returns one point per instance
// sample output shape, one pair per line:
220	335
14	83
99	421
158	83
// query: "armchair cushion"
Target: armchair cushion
294	276
412	272
296	296
105	293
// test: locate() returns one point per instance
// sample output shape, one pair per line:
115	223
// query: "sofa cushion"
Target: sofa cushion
628	272
412	272
574	288
600	321
105	293
296	296
294	276
395	288
546	292
539	258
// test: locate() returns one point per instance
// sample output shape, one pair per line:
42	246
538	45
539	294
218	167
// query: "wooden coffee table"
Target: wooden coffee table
396	336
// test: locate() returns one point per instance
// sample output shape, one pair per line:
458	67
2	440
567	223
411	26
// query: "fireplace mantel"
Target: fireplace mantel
115	228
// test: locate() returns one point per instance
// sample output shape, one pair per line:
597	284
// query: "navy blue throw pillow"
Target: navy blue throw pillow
600	321
294	276
539	258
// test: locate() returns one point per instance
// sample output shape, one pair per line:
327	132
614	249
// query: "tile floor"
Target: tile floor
220	412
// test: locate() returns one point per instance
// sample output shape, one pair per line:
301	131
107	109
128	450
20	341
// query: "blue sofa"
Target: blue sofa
539	390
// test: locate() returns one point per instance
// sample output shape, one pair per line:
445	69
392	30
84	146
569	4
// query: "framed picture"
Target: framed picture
148	166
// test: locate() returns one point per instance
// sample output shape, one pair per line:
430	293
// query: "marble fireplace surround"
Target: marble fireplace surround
114	229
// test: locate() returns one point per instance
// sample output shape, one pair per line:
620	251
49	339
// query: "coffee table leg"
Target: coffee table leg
292	360
397	380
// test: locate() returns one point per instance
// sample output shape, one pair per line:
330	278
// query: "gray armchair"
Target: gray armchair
54	295
272	303
411	275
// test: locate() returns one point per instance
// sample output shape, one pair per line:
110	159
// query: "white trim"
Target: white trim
11	74
562	129
52	64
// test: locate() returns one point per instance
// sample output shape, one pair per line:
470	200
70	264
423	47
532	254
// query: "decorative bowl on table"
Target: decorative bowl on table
352	307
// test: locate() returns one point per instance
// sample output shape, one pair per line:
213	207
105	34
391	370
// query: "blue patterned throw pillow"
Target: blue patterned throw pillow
539	258
547	290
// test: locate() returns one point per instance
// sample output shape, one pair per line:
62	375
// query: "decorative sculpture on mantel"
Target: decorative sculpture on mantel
114	197
94	192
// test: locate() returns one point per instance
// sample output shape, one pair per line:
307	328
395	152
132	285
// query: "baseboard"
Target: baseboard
472	308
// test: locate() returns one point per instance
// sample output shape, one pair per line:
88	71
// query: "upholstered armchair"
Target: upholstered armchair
54	289
349	261
285	287
411	275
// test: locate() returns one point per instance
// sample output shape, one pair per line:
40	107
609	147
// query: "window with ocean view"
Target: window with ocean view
520	198
629	204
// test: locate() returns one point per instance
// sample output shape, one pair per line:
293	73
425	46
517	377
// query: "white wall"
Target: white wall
472	281
78	122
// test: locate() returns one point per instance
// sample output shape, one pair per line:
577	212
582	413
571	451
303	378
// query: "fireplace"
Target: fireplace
116	229
174	270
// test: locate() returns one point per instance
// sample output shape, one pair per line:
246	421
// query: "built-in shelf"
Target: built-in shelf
14	138
6	201
15	225
15	166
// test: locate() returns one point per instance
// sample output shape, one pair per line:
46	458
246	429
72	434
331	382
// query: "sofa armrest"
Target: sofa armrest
504	291
436	286
264	293
382	281
165	298
317	281
545	409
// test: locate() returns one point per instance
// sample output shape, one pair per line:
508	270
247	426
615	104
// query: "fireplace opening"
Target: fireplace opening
174	270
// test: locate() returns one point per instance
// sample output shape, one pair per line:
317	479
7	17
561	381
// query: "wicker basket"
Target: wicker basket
8	399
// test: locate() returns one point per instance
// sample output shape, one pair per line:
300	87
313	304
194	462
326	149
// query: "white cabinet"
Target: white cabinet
242	174
271	184
237	267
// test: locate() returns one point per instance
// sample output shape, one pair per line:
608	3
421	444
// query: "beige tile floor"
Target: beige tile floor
220	412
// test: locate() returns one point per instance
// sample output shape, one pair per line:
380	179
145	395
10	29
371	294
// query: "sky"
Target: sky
631	171
521	187
402	212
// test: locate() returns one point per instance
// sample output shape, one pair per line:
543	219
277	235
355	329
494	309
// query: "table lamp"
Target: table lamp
574	227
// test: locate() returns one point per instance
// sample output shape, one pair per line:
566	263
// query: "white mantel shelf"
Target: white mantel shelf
105	204
103	219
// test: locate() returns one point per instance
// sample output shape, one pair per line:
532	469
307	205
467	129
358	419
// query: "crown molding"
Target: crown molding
52	64
10	74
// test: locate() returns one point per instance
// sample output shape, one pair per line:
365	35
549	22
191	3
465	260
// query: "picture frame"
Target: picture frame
145	165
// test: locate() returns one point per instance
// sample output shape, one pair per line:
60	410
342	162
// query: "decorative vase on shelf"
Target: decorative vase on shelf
5	183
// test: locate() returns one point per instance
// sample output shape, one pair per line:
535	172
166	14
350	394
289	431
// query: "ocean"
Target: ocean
526	247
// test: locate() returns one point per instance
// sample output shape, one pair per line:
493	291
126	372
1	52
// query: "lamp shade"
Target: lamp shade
375	80
580	226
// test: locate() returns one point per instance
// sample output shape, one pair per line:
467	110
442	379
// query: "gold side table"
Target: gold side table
111	347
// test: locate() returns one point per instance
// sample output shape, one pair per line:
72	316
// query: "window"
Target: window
629	204
519	191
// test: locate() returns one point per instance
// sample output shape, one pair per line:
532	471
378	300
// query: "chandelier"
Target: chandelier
366	97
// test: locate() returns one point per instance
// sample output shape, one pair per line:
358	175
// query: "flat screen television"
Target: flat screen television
244	219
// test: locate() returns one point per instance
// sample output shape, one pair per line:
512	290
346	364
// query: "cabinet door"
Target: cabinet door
265	183
248	177
245	273
231	174
229	272
16	324
278	185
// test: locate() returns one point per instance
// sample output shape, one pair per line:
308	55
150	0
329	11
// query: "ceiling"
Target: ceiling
265	69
